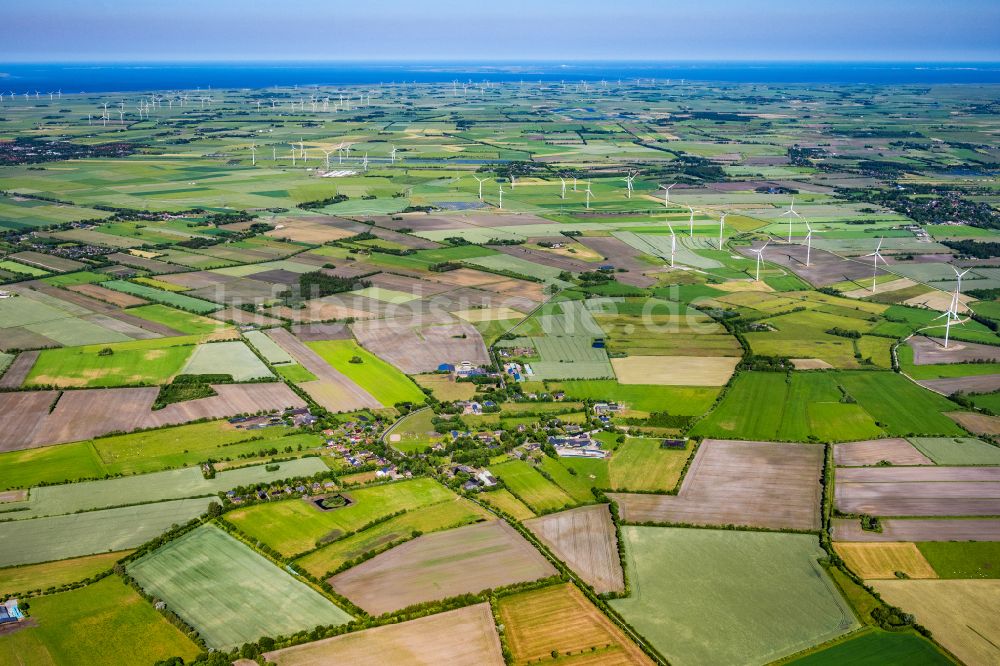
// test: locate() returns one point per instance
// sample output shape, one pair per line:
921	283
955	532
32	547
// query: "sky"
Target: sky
509	30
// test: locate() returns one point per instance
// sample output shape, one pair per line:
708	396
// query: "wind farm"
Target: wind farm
472	362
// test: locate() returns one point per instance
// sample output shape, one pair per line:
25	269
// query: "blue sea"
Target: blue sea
107	77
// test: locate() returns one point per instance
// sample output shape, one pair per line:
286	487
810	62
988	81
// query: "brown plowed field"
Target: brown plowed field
757	484
973	384
463	637
441	565
415	348
620	255
824	268
18	370
849	529
87	413
332	389
111	296
980	424
560	618
919	491
585	539
897	450
931	351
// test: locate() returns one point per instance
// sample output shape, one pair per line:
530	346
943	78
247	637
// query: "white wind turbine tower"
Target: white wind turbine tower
673	244
392	155
589	194
722	226
952	313
562	194
480	181
293	153
875	257
666	194
809	236
759	252
691	223
628	182
253	154
792	214
326	154
574	183
364	162
500	206
340	153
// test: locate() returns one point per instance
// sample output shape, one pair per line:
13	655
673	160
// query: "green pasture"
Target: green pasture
639	464
232	358
528	485
183	322
267	347
957	450
962	559
171	298
387	384
153	361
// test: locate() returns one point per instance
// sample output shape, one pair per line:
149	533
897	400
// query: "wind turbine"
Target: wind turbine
392	155
791	213
500	206
809	236
691	223
875	257
628	182
253	154
574	183
759	252
293	153
666	194
326	154
722	226
480	181
589	193
952	313
562	194
364	162
673	244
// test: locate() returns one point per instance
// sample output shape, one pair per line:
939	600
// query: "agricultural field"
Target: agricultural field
106	622
960	613
388	385
296	526
463	636
918	491
559	619
526	484
747	597
585	539
962	559
874	648
441	565
128	363
642	465
885	560
204	573
55	574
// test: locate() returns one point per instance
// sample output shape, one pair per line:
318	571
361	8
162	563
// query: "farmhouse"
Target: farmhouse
577	446
9	612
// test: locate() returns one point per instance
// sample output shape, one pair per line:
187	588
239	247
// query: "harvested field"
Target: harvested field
18	371
111	296
47	261
421	348
151	265
980	424
960	613
916	529
318	332
243	317
93	412
203	575
973	384
931	351
560	619
675	370
332	389
874	560
585	539
897	451
463	637
441	565
758	484
918	491
810	364
445	388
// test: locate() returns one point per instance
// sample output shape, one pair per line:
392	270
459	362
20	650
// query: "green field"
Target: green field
681	400
957	450
229	593
387	384
183	322
232	358
90	532
155	487
54	574
528	485
443	515
503	500
268	348
105	623
641	465
295	526
140	452
963	559
172	298
874	647
137	362
735	597
765	406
